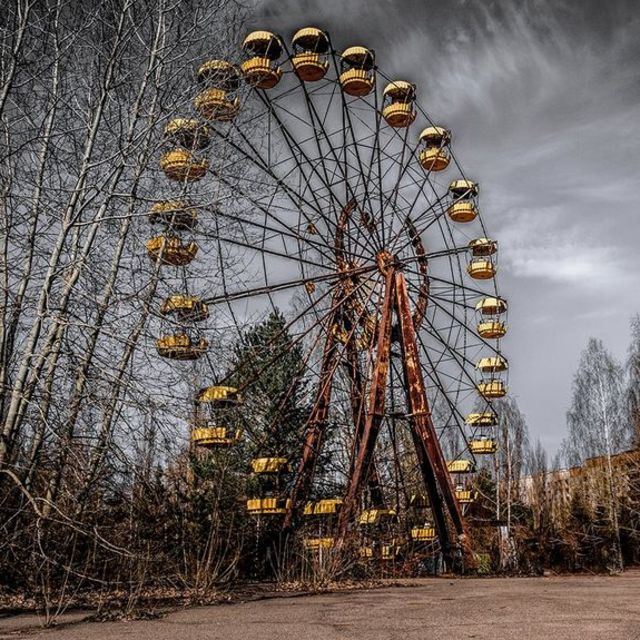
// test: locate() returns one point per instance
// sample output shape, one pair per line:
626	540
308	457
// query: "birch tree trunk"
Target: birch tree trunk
597	428
85	92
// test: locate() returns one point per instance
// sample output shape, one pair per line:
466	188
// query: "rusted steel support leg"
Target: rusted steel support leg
375	412
315	429
359	419
432	462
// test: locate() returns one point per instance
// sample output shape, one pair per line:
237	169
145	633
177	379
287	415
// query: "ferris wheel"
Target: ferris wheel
350	215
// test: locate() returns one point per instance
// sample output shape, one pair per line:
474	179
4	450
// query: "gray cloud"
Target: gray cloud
542	97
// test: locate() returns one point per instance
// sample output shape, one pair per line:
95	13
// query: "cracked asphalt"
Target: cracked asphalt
562	608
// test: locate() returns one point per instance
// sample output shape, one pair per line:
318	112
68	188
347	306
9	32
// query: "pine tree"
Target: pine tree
271	365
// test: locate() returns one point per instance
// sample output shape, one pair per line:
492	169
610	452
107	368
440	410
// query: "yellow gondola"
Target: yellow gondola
219	395
261	68
315	544
481	269
492	389
462	192
170	250
325	507
210	437
423	534
268	506
269	465
357	77
482	420
217	104
491	329
220	81
376	516
480	446
186	308
463	211
310	46
435	154
386	552
183	166
460	466
399	96
181	347
492	364
207	431
466	496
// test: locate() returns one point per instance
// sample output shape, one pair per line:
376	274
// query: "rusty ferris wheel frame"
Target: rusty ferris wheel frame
349	206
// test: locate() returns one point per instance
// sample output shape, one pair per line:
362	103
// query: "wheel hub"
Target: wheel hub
385	261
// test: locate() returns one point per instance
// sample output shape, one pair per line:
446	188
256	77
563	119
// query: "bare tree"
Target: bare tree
633	384
85	91
596	421
511	456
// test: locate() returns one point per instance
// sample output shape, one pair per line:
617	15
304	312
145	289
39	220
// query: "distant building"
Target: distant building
588	482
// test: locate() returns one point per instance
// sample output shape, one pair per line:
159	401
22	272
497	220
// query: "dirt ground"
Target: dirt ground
557	608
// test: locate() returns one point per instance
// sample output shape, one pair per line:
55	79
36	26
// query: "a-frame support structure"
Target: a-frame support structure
444	505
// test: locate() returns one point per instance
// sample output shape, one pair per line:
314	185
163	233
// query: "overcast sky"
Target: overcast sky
543	98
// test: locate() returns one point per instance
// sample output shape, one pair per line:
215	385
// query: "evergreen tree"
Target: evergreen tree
276	401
